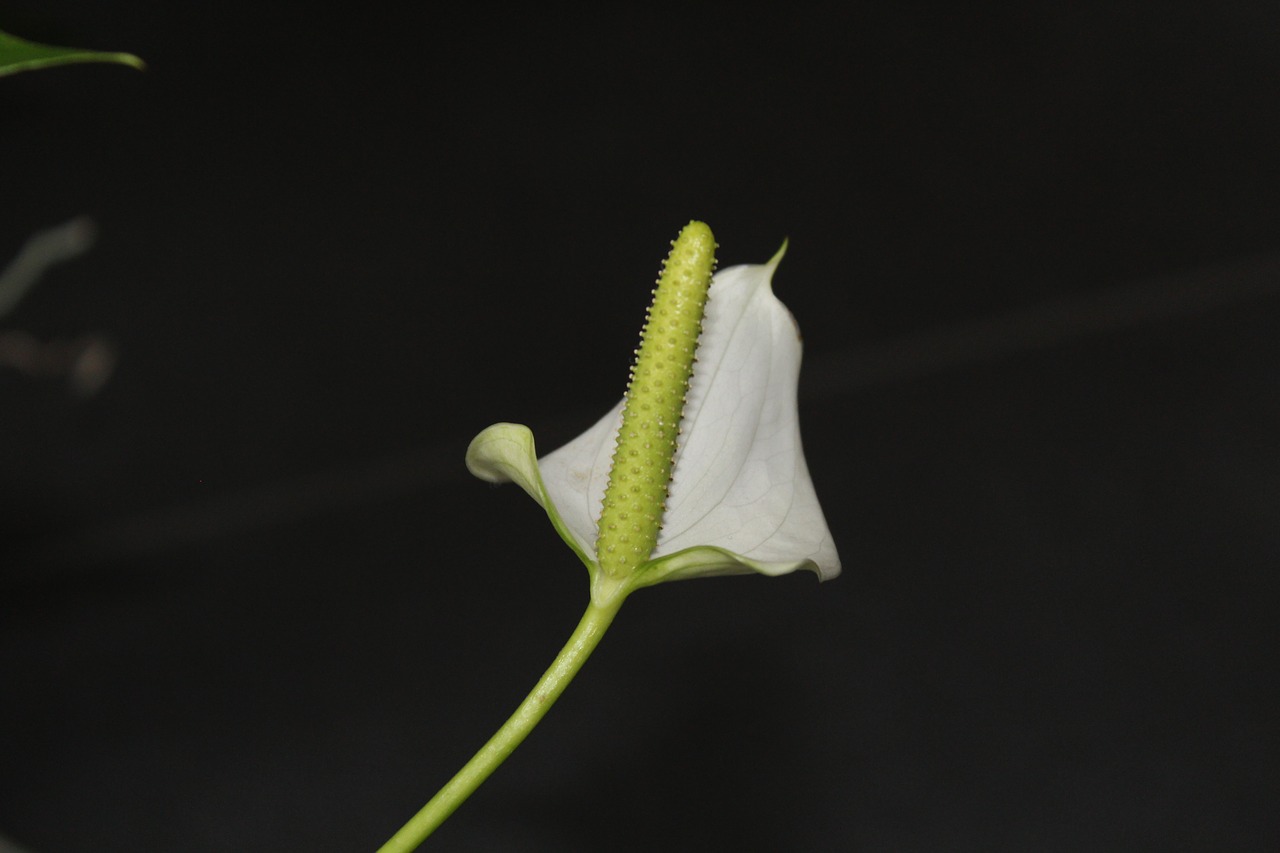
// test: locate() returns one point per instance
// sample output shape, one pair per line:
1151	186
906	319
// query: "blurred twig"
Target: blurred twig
42	250
87	361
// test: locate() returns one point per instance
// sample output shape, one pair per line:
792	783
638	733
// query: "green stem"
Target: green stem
581	644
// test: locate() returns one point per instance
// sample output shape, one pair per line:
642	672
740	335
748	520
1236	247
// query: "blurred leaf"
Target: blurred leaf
21	55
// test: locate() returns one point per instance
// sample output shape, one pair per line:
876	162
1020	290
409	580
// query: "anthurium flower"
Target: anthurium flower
698	471
740	497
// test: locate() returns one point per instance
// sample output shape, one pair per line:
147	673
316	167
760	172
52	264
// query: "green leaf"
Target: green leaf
21	55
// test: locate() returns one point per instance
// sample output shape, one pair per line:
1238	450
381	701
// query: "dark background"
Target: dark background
250	600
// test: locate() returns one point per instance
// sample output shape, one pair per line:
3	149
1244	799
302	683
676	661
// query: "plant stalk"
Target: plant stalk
581	644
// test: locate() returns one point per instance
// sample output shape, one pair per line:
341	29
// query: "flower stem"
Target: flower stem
581	644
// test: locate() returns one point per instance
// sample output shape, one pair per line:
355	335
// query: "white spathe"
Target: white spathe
741	498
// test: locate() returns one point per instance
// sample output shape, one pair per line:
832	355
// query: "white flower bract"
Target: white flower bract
741	498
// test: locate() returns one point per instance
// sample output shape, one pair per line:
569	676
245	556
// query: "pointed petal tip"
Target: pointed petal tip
773	262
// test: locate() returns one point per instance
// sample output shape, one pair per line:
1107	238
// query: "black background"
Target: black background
250	600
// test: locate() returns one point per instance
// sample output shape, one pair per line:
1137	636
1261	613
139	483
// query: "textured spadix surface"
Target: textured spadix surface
635	498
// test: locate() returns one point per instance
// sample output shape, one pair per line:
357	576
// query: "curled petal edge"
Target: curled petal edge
505	453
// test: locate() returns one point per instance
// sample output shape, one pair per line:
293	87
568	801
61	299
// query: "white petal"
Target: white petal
740	482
